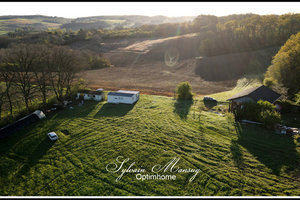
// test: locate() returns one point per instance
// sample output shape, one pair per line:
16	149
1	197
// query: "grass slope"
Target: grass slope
234	159
247	82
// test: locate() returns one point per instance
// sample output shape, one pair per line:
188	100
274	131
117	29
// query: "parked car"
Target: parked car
206	98
52	136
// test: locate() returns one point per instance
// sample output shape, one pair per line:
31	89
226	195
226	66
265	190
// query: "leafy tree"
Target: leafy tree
285	68
184	91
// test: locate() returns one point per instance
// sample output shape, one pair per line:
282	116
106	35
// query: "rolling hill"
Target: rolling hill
41	22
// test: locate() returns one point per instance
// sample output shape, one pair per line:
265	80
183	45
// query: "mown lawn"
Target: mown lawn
234	159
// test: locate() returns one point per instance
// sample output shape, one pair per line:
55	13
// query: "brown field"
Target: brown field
143	65
154	78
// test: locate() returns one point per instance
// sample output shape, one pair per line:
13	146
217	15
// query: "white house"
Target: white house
123	96
90	95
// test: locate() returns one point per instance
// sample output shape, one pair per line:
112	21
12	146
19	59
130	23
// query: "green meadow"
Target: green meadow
234	159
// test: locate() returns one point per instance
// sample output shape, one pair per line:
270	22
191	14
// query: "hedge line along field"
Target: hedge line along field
234	159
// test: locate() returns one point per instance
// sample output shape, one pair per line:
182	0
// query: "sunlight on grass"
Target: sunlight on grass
244	83
234	159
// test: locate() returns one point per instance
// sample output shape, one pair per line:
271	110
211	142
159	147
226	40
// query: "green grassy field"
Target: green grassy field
234	159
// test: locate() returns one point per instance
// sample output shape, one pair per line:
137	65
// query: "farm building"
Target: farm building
21	123
253	95
97	95
123	96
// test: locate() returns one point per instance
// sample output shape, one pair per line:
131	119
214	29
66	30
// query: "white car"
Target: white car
52	136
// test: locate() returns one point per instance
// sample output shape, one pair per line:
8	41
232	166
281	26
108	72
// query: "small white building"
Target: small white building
123	96
90	95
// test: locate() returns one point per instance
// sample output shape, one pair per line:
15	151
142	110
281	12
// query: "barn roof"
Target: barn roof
90	92
258	93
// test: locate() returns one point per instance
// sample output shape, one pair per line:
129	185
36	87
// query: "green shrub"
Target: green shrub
262	111
265	105
99	63
184	91
269	118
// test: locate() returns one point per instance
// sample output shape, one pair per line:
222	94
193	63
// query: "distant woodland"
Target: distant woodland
217	35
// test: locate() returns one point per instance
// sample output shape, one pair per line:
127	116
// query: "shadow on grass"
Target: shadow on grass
210	104
272	150
78	111
182	108
237	154
111	110
39	151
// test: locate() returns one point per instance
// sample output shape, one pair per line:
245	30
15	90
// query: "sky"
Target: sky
172	9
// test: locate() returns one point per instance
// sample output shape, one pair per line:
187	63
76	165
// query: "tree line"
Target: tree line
31	70
216	35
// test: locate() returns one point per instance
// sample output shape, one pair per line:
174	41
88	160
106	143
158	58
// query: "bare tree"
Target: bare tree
42	70
2	96
7	75
22	58
67	63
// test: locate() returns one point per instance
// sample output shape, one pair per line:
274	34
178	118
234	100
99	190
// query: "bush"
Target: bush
184	91
249	111
99	63
262	111
269	118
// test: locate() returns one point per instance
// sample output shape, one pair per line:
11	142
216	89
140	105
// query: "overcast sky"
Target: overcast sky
85	9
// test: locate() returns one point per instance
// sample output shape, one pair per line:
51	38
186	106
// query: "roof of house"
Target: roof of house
120	94
124	93
129	91
93	92
258	93
11	128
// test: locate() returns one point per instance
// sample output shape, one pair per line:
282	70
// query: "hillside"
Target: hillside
235	65
124	21
145	65
40	22
233	159
30	22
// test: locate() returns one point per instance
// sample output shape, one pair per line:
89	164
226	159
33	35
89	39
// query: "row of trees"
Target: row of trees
28	71
236	33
